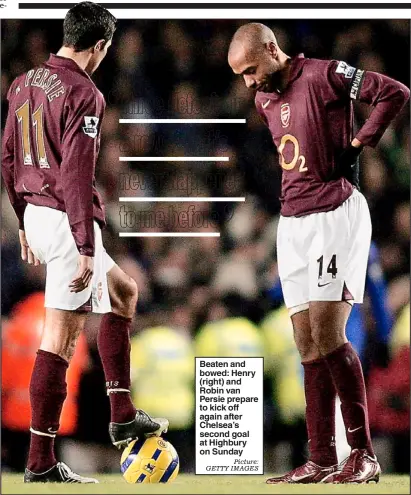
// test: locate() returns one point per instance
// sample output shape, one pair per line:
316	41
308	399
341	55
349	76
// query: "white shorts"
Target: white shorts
51	241
324	256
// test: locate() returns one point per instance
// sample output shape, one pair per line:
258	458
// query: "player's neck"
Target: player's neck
81	58
284	74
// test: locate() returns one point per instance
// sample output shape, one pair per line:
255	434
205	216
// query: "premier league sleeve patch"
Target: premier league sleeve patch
344	68
90	127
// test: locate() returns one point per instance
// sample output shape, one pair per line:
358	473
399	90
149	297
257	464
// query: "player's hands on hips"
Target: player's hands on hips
26	252
346	163
84	274
348	157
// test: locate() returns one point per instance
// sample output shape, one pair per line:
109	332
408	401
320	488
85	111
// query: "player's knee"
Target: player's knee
68	349
320	327
62	343
306	346
302	336
327	330
327	338
317	335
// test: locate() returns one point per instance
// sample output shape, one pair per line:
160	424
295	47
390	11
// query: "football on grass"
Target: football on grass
150	460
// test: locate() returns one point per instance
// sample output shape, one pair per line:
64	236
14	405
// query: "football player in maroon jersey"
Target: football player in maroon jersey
324	232
50	148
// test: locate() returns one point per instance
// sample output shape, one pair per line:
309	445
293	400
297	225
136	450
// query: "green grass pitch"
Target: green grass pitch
187	483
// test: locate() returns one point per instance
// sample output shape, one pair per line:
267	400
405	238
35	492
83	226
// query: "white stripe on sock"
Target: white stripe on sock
114	390
42	434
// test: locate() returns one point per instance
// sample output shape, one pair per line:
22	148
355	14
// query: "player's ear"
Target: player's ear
272	48
99	46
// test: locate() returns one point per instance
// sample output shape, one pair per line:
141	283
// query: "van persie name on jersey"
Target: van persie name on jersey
47	81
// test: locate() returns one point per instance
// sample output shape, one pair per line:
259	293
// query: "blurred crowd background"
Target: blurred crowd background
209	296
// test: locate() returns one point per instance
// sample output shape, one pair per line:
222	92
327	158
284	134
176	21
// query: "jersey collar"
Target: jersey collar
68	63
296	67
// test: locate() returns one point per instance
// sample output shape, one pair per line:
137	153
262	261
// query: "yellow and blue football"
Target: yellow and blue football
150	460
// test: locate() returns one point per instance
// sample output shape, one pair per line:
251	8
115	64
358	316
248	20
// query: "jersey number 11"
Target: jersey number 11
24	119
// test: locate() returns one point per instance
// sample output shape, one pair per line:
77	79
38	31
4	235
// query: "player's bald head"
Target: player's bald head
249	40
255	55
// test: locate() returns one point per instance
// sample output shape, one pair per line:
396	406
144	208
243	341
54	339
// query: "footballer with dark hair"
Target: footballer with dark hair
50	147
324	232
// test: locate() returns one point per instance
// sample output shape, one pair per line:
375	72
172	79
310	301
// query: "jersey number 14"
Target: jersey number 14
332	266
36	120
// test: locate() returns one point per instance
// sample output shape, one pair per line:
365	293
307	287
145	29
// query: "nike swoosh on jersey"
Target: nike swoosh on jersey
355	429
265	105
323	285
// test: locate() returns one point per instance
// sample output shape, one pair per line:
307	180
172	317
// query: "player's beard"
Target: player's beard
275	82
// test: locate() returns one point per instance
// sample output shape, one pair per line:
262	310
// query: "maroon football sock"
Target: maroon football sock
114	348
320	398
346	370
48	390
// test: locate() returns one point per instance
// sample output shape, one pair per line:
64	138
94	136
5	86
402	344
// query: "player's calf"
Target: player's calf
48	388
319	395
114	347
346	371
114	344
123	292
48	391
127	423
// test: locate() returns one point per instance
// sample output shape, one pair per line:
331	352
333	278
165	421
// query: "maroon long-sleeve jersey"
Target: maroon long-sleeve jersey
50	145
311	122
